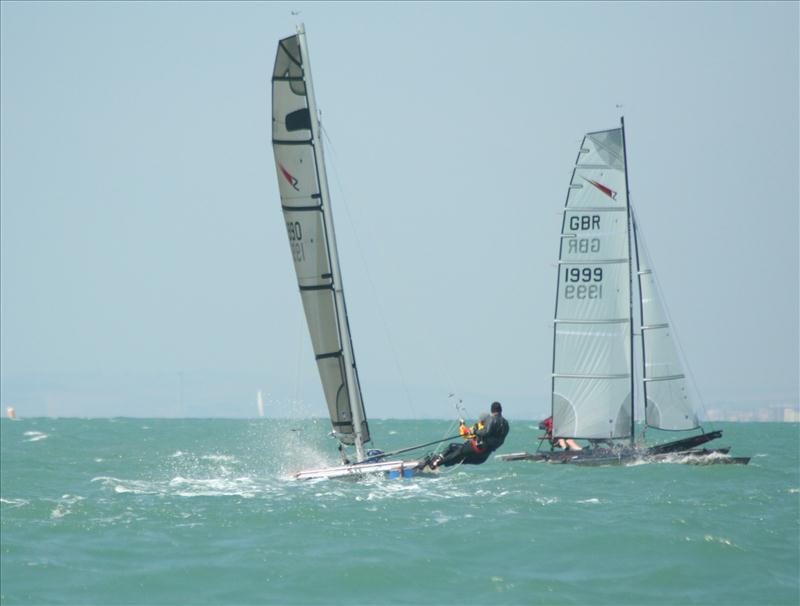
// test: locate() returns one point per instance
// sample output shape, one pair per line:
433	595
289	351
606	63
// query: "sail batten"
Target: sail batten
619	376
667	378
305	204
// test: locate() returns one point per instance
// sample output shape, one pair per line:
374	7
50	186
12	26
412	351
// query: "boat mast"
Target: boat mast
642	327
336	274
630	276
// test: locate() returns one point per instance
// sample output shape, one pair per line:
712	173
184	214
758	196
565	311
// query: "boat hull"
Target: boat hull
684	444
398	469
606	457
678	451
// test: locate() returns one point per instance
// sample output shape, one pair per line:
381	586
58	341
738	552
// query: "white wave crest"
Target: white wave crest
129	486
64	507
35	436
210	487
13	503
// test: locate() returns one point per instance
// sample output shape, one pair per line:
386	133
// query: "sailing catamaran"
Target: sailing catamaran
593	375
305	200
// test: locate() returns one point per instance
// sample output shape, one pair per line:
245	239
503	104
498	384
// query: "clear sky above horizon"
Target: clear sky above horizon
143	248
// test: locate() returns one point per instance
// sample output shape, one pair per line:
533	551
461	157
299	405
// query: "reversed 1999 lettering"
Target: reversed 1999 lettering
589	283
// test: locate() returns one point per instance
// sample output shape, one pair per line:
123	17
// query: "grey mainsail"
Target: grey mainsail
305	200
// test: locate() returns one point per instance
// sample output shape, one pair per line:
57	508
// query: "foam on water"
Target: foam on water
13	502
35	436
64	506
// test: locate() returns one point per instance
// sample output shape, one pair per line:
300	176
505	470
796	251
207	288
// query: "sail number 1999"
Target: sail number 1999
583	283
296	240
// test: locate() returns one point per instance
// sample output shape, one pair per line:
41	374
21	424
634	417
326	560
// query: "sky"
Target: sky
144	266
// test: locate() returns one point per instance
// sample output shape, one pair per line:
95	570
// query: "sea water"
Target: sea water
154	511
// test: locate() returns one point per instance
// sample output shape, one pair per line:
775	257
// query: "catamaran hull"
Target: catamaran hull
680	451
598	458
685	443
393	469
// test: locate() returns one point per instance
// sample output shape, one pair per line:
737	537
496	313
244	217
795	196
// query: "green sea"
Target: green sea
156	511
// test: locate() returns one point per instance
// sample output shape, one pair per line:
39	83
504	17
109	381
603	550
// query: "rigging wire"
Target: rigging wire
298	369
378	307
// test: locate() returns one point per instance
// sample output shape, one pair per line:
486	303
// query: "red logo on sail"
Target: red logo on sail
288	176
606	190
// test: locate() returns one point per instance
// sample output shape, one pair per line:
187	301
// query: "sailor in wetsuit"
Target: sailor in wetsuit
486	436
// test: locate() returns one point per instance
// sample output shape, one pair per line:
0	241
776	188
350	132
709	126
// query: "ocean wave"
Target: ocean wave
210	487
35	436
64	507
220	458
184	487
722	541
129	486
13	503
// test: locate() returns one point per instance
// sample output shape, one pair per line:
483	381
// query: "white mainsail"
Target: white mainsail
668	404
593	367
306	207
592	358
594	373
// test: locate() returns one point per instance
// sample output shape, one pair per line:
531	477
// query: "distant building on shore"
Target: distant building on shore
766	414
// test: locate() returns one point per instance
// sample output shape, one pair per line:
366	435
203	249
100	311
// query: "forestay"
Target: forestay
306	208
592	366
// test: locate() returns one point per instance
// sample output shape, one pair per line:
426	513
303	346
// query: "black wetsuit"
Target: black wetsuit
476	451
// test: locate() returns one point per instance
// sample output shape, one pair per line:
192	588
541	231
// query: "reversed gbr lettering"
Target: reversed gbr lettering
583	245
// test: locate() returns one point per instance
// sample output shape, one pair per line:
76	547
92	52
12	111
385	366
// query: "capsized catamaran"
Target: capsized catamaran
597	304
300	164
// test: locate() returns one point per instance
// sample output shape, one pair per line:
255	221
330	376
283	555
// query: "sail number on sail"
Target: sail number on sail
587	287
583	245
583	282
295	240
584	223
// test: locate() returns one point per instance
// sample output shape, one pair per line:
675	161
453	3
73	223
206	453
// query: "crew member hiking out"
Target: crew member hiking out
565	443
483	438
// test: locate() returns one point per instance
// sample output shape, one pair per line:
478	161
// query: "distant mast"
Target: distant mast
260	399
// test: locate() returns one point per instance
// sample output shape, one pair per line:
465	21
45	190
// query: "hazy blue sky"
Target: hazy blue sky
145	264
